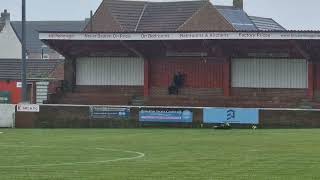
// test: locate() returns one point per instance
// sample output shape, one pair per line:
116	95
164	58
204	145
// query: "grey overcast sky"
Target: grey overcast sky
292	14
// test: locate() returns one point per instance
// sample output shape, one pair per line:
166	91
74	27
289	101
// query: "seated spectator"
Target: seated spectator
178	82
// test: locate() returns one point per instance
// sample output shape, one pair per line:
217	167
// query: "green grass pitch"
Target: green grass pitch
159	154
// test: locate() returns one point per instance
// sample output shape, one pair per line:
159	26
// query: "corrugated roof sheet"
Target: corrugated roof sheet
237	17
36	68
266	24
33	43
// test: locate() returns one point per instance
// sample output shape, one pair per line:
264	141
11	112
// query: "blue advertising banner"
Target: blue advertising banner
102	112
166	116
231	115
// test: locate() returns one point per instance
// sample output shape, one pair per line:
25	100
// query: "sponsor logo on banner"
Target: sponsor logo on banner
103	112
231	115
28	108
166	116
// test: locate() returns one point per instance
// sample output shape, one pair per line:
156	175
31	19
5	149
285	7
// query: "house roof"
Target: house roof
266	24
149	16
145	16
36	68
32	27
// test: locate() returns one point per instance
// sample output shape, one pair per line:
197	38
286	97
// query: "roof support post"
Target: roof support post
311	74
227	78
146	87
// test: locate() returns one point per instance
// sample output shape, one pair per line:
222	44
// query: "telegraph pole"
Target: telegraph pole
24	63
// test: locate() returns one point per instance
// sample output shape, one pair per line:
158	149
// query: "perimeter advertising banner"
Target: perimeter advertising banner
104	112
166	116
231	116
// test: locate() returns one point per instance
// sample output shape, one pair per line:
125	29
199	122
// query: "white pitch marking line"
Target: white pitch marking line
1	132
139	155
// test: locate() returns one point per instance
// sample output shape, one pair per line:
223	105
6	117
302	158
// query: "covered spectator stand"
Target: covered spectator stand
221	68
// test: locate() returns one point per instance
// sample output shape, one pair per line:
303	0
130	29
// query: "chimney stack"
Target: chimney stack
5	16
238	4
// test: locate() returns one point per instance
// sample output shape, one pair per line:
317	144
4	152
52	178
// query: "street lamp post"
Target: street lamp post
24	63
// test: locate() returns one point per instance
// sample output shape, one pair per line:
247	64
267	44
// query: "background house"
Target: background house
42	76
45	66
10	45
35	48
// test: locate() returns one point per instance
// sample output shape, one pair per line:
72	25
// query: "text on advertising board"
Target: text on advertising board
28	108
102	112
169	116
231	115
181	36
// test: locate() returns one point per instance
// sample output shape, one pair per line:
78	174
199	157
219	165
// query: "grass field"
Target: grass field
91	154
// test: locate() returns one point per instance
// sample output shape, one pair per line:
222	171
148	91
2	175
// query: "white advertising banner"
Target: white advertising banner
181	36
28	108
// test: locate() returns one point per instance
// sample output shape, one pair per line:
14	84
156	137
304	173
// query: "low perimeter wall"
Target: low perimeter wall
65	116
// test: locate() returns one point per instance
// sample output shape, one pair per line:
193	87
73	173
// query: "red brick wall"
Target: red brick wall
58	72
199	73
54	87
207	18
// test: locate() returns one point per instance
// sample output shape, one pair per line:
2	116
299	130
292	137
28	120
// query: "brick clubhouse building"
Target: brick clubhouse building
130	52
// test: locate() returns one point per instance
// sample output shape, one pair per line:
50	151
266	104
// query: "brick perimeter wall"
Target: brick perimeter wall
78	117
289	119
54	117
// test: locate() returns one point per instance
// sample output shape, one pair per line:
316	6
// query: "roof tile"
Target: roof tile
36	68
